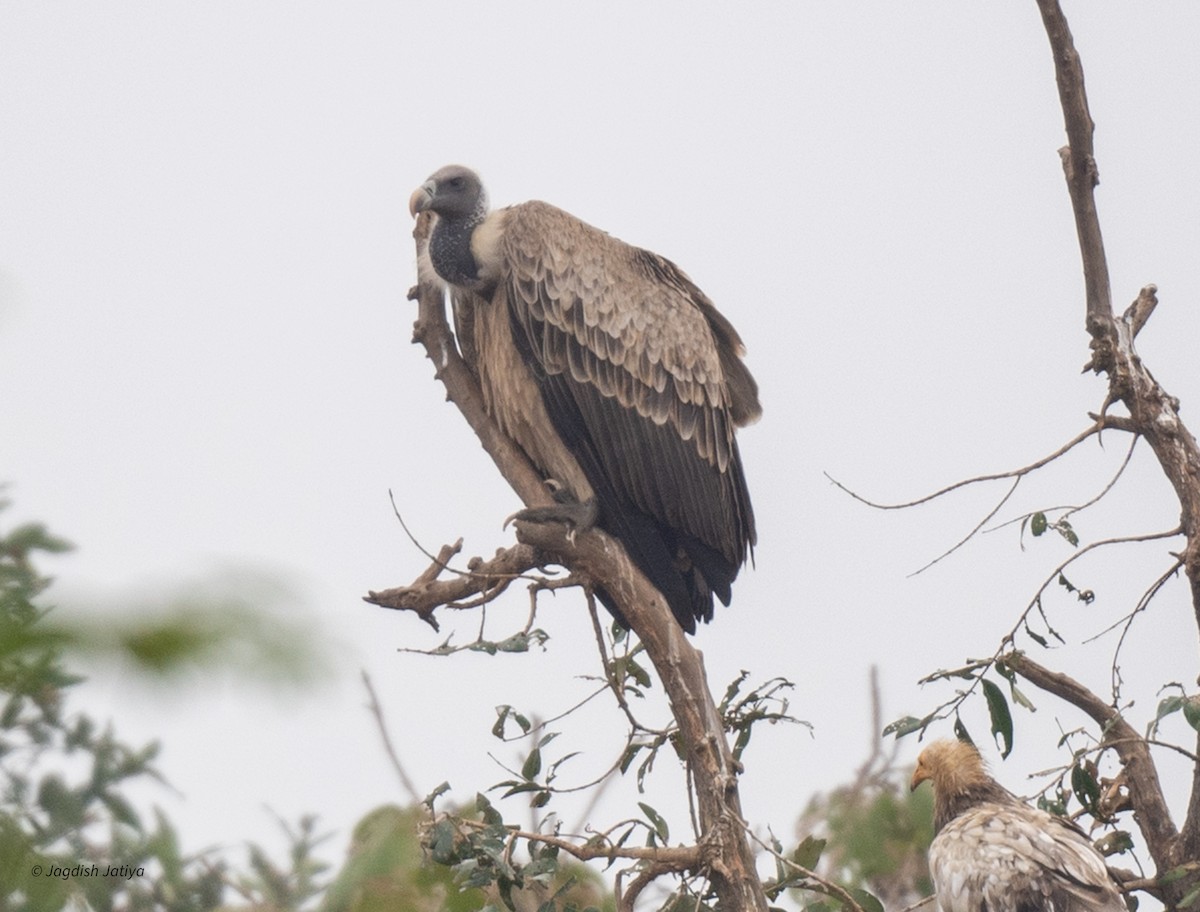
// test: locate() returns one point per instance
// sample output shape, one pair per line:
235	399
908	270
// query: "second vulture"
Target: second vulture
993	853
614	373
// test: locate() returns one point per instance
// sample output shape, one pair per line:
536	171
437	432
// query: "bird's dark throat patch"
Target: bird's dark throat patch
450	251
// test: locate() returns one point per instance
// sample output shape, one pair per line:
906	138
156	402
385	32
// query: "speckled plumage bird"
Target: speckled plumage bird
614	373
993	853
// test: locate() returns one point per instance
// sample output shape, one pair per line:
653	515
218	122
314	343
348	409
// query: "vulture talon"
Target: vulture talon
577	517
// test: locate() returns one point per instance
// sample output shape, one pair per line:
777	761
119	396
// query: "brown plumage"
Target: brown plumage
994	853
614	373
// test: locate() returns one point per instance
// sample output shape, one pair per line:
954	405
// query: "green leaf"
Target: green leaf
441	843
631	752
435	794
1191	712
961	733
1085	787
1114	843
1166	706
904	726
1020	699
734	686
491	816
660	825
1064	529
867	901
1038	524
1002	724
505	712
808	853
532	765
639	674
516	788
1055	806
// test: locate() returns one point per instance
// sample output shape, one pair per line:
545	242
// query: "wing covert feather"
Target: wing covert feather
625	343
629	322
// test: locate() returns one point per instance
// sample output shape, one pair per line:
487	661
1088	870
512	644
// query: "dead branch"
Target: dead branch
1152	412
486	579
1079	161
595	556
1150	808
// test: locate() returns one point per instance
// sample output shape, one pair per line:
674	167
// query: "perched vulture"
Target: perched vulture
614	373
993	853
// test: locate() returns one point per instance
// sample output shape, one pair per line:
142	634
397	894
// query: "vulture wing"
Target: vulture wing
1014	858
643	380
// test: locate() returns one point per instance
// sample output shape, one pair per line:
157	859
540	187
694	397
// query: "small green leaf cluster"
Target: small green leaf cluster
1189	705
495	868
999	713
764	703
1039	524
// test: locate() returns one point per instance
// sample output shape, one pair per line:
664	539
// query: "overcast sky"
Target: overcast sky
205	368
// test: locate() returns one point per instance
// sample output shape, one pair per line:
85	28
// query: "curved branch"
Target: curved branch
1150	808
978	479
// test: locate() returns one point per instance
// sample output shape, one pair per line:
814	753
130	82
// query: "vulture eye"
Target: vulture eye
456	182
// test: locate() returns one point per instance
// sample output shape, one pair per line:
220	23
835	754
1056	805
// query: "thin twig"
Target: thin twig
820	884
377	711
978	479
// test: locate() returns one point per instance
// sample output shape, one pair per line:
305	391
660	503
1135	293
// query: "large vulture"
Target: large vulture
994	853
614	373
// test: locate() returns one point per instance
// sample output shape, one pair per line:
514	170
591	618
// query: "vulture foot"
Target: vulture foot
577	517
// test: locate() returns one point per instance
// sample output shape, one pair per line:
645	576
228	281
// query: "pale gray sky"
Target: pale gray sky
205	358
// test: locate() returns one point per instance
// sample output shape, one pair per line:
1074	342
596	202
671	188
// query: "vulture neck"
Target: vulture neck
950	803
450	249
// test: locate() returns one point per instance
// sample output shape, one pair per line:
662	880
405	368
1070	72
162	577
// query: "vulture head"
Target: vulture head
453	192
456	195
959	779
950	765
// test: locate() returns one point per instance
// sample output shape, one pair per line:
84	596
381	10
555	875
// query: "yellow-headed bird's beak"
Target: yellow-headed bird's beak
920	774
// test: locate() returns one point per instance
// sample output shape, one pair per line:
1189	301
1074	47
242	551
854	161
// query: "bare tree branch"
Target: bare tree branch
1152	412
978	479
1079	161
1150	808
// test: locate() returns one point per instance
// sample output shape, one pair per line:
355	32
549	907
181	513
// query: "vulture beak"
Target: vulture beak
422	198
920	774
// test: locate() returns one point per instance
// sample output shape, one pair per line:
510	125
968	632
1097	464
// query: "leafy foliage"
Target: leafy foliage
875	837
69	835
489	865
